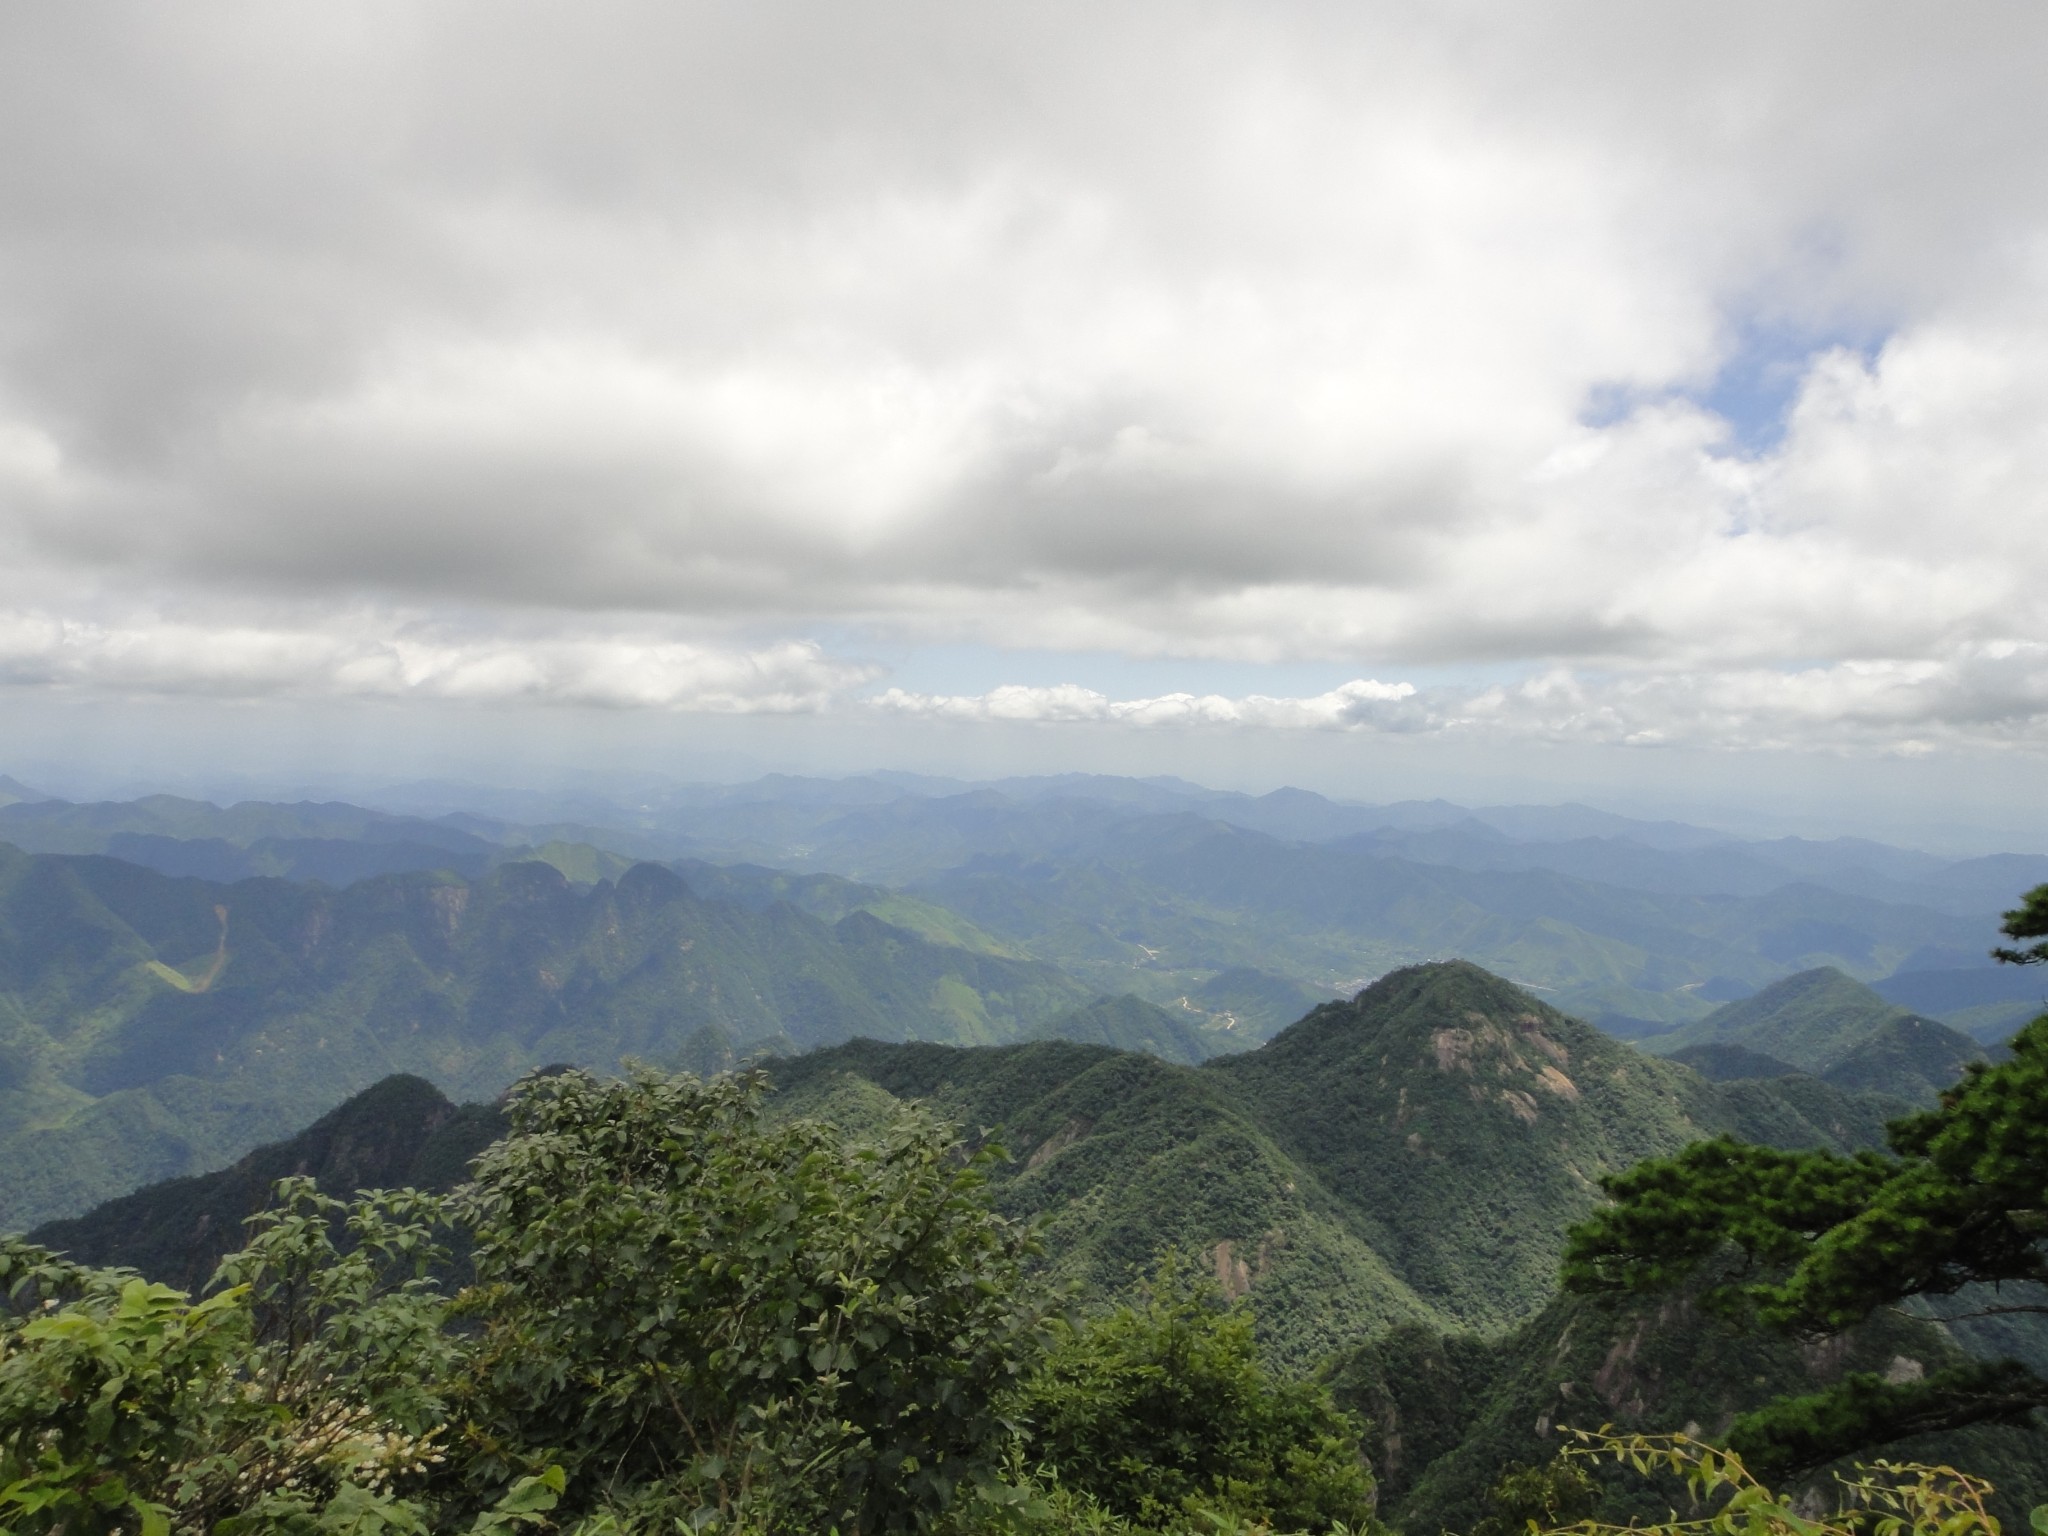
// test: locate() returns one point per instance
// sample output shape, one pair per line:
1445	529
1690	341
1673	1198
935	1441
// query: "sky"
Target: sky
1639	403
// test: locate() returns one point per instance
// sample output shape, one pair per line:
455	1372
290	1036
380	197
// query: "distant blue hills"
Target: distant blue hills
179	979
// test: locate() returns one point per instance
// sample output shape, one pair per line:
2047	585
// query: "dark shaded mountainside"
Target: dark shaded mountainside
400	1133
1388	1182
152	1025
1447	1413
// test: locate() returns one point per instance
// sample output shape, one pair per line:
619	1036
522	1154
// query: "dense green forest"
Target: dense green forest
1361	1225
666	1303
1413	1155
680	1314
1217	1250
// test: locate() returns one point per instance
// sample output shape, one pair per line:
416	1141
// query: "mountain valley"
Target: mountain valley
180	981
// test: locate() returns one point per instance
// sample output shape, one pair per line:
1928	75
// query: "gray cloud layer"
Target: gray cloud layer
1988	696
626	344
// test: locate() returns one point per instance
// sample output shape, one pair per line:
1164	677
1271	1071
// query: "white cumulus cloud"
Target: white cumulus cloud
1993	697
1382	335
377	658
1363	702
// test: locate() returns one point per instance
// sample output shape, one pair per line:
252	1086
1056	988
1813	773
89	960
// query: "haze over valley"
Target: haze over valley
185	980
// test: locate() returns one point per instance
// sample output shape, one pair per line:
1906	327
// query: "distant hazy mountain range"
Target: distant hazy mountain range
179	981
1085	868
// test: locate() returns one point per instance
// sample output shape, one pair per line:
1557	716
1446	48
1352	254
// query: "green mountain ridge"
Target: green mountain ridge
1414	1154
1388	1182
152	1026
1154	887
1721	1061
1827	1024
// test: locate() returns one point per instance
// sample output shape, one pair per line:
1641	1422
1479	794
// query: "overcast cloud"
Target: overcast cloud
614	354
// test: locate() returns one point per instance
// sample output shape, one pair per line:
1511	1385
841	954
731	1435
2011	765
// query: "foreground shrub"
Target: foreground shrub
1160	1410
753	1320
685	1317
303	1395
1882	1499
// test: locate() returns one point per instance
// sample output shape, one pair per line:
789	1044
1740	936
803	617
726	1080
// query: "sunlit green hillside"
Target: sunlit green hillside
152	1026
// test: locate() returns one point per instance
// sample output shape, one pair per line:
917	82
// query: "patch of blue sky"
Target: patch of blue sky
1755	387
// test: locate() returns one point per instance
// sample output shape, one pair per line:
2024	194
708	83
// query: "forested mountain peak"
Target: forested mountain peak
1452	1027
1810	1013
1479	1119
1828	1024
1431	992
1433	1137
1413	1154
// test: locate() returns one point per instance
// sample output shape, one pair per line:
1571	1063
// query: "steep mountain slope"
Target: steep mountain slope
1480	1121
1912	1057
1719	1061
1415	1153
1985	1002
1413	1156
1822	1022
1122	1155
1446	1414
150	1026
1810	1020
